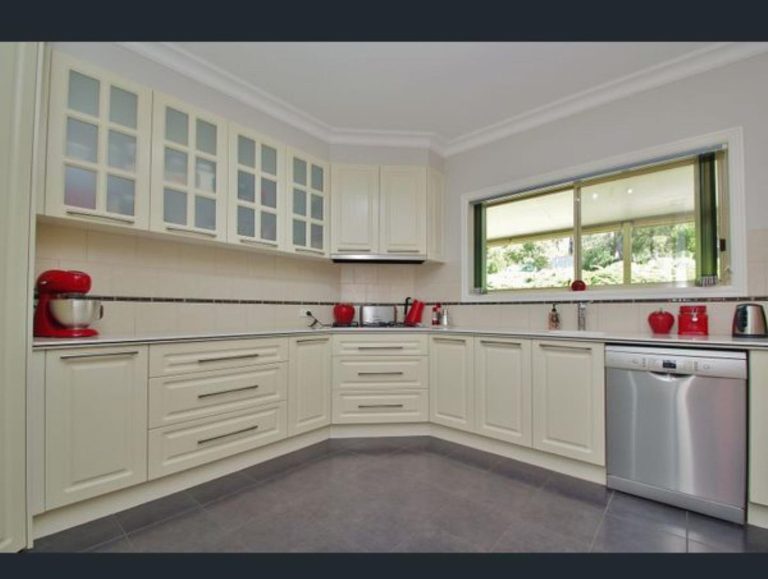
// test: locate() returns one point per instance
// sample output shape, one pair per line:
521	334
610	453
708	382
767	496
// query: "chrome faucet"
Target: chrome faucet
581	310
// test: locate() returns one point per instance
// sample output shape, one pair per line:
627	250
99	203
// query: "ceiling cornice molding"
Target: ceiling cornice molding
182	61
702	60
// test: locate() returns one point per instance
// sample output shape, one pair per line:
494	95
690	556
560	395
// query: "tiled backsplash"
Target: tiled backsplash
137	267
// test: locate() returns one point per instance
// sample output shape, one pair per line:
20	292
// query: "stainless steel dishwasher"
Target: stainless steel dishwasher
677	427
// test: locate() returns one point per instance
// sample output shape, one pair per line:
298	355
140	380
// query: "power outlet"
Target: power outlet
304	313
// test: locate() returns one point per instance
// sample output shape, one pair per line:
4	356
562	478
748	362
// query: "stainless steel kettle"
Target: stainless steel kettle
749	321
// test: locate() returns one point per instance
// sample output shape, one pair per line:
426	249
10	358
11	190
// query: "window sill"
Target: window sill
607	294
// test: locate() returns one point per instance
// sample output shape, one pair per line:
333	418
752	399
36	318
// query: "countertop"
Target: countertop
714	341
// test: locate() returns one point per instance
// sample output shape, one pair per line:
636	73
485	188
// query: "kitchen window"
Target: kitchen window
656	224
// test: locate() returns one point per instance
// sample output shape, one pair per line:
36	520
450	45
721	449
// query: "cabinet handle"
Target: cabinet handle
258	242
225	358
453	340
192	231
307	250
499	343
380	373
236	432
558	347
404	251
361	250
99	355
381	347
210	394
380	405
304	340
120	218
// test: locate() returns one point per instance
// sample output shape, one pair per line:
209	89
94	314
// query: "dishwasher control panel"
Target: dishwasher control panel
717	363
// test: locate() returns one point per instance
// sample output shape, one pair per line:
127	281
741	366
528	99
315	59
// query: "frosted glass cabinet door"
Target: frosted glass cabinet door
255	197
189	171
98	146
307	215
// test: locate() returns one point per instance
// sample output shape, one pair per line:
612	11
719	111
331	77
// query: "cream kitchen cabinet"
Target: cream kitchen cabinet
390	211
355	219
189	171
451	379
403	209
503	389
308	200
256	202
309	384
758	427
95	422
98	146
569	399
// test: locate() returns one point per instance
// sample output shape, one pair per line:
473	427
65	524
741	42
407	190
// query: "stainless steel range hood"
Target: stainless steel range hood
360	257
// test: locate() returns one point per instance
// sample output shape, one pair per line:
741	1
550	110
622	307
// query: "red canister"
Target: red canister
693	321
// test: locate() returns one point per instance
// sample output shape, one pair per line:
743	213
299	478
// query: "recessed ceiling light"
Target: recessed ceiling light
629	191
594	195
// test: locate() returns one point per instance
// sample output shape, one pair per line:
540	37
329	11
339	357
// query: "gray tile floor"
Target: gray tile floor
414	494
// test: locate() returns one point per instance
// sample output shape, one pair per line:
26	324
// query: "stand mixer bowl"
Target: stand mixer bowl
76	312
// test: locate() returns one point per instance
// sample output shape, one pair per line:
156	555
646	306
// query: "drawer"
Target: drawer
169	359
381	406
175	399
380	344
390	372
176	448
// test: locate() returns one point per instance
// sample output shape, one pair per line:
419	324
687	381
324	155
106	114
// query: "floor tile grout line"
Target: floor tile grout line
602	519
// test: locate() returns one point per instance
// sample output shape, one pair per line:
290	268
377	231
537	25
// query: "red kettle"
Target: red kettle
414	312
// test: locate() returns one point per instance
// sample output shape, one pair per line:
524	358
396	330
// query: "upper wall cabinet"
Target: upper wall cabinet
256	199
189	170
307	217
355	226
98	146
403	205
387	211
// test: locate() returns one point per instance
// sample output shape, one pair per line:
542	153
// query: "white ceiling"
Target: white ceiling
444	92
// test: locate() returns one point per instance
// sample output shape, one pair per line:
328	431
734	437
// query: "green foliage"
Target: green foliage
600	250
529	256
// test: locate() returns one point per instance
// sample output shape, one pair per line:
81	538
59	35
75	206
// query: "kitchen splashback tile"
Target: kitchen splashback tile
54	242
111	248
119	319
156	318
196	318
231	317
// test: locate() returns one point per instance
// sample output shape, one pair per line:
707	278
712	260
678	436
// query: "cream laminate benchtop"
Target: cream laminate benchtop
647	339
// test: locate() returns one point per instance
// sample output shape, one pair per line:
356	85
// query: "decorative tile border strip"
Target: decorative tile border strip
446	303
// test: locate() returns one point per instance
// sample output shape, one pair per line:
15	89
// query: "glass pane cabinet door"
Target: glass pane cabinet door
98	157
190	171
308	198
255	200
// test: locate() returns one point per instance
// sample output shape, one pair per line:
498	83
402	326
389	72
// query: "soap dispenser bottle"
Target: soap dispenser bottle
554	318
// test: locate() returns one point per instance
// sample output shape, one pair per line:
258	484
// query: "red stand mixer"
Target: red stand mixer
62	311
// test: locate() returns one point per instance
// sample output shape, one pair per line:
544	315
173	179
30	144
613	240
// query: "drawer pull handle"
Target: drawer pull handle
312	340
258	242
380	347
210	394
100	355
225	358
404	251
452	340
499	343
380	373
380	405
236	432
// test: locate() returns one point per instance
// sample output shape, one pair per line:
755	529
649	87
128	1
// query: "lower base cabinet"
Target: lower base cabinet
451	400
569	399
190	444
758	427
380	407
95	422
503	389
309	384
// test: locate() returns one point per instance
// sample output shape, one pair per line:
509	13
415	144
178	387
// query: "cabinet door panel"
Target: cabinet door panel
98	156
309	384
189	171
758	427
355	208
403	210
450	381
569	400
96	422
307	216
503	389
